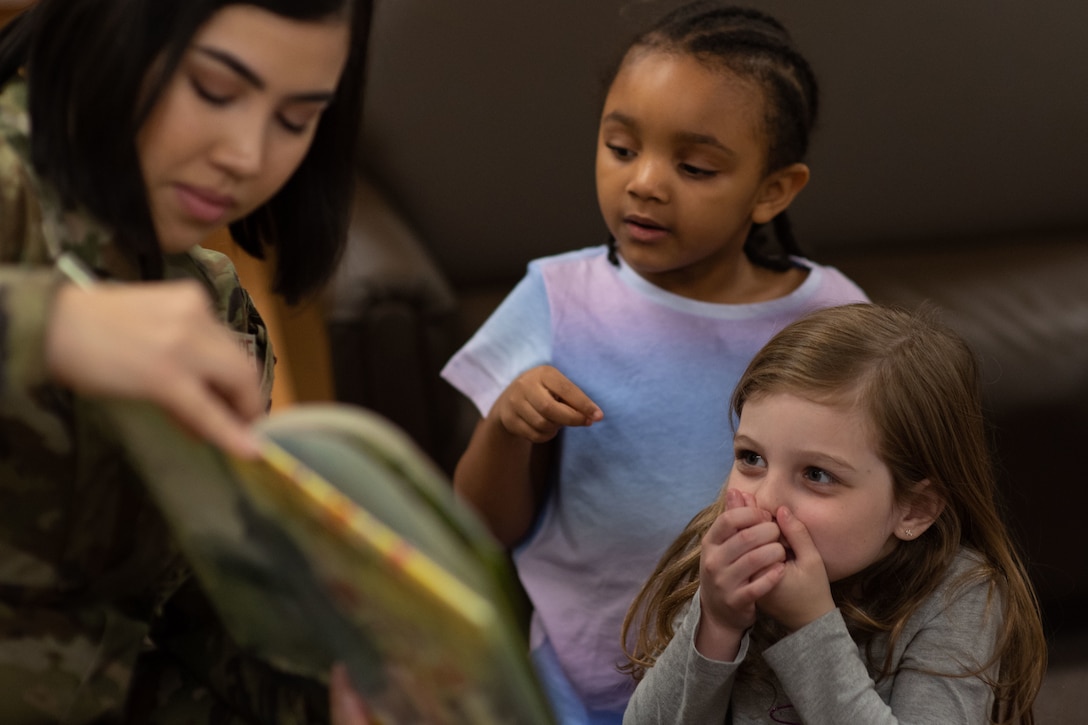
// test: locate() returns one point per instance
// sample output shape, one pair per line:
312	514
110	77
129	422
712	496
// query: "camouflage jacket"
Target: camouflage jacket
94	596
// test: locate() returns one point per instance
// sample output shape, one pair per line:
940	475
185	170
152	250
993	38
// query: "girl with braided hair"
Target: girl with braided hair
855	567
601	377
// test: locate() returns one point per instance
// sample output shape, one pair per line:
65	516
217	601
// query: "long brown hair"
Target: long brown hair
918	382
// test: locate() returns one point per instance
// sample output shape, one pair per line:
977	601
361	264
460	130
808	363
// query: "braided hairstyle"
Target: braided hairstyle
754	46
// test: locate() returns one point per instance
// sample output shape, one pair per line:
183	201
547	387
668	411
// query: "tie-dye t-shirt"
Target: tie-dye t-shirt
662	368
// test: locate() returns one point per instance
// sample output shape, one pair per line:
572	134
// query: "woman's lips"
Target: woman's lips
202	205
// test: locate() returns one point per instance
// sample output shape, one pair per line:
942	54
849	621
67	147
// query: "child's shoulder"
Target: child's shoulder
830	283
571	257
968	584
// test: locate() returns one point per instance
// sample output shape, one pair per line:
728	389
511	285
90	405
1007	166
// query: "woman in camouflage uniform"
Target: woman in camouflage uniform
129	131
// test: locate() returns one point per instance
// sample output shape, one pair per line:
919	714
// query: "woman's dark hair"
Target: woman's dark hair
96	68
753	46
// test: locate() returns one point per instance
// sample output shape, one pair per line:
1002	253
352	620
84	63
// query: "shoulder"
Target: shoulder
829	284
574	276
15	174
20	209
214	268
216	271
586	257
967	594
35	226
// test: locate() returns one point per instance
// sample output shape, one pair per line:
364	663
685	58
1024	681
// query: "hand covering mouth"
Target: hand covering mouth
790	556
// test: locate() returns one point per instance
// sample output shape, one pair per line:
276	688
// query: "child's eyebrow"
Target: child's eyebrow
621	118
690	138
255	80
820	456
702	139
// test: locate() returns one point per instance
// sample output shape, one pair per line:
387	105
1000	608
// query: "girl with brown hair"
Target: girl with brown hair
856	567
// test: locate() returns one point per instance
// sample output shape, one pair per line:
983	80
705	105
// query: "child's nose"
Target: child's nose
647	181
769	495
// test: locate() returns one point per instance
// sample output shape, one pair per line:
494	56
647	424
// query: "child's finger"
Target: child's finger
563	390
797	536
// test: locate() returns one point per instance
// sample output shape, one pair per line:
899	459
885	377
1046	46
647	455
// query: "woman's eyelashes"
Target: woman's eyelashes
294	127
295	122
213	97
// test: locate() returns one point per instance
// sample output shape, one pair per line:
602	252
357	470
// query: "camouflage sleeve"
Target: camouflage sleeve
235	307
26	289
25	299
197	674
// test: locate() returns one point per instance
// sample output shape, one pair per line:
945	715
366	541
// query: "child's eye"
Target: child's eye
749	458
819	475
620	152
697	171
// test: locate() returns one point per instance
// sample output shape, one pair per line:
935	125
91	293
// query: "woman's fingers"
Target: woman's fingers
158	342
346	706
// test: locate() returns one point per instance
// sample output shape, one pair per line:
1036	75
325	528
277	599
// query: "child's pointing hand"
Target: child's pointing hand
541	401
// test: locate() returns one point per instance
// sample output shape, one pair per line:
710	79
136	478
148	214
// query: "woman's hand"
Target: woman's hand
741	560
345	704
541	401
158	342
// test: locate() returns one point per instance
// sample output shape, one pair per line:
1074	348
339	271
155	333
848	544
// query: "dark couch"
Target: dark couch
948	168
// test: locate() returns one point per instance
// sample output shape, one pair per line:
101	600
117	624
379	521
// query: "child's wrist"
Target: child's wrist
717	641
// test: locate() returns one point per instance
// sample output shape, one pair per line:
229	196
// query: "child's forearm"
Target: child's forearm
495	476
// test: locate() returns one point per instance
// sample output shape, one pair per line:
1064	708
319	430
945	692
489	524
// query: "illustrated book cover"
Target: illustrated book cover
343	542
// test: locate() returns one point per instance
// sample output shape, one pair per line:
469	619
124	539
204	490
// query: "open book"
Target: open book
343	542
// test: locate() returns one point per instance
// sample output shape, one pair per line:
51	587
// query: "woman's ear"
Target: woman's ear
920	513
778	191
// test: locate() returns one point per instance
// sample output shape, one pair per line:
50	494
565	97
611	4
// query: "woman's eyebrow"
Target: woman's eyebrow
234	64
255	80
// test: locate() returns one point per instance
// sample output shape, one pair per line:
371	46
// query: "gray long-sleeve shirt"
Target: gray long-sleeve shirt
824	678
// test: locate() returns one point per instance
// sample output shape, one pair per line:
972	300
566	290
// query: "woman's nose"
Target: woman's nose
241	147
